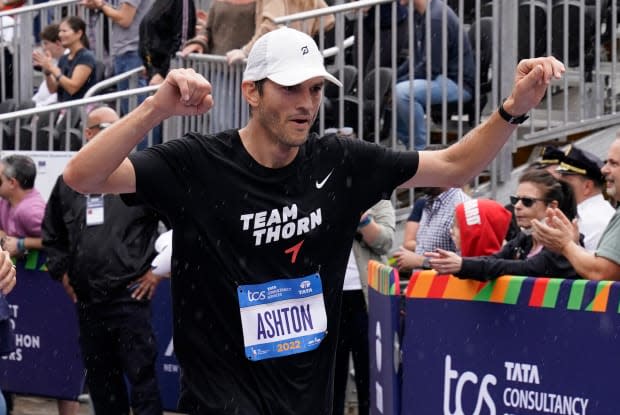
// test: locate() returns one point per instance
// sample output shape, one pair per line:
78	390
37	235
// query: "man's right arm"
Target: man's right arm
103	167
558	234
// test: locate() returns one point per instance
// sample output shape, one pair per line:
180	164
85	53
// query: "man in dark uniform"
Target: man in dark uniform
264	218
101	250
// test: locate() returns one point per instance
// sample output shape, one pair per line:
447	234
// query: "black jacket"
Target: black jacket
512	260
162	31
101	260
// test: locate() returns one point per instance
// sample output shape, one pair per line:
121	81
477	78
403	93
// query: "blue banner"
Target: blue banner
384	349
167	366
47	361
518	346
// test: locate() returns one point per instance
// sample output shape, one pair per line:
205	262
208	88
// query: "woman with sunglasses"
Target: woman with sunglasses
523	255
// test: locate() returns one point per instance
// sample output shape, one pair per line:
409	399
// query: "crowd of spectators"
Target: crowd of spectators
562	224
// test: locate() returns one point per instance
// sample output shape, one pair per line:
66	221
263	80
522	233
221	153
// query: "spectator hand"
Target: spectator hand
91	4
8	274
556	232
406	259
68	288
144	287
444	262
234	56
531	81
192	48
43	59
183	92
9	244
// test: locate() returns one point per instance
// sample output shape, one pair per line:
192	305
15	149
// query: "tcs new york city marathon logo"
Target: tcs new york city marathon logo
253	296
466	392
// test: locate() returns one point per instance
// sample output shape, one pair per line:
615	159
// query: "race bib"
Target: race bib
94	210
282	317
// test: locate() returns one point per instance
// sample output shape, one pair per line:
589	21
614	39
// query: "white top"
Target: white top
43	96
162	262
352	276
594	215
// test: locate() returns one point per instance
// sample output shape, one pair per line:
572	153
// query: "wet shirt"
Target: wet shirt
238	225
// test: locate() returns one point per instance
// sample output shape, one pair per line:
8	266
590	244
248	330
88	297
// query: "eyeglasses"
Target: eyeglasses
100	126
527	201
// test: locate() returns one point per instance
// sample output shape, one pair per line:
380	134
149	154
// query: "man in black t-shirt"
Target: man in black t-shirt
264	218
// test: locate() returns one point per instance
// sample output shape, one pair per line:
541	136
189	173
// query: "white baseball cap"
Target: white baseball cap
287	57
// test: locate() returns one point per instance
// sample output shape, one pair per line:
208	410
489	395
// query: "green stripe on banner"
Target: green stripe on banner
514	288
551	293
599	287
485	292
31	260
576	294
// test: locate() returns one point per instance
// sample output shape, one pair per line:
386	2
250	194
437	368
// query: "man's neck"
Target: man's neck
265	150
17	197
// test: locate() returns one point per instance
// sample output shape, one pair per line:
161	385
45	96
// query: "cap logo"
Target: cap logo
304	50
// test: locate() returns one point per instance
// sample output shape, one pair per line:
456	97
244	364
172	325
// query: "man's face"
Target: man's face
5	183
611	170
288	112
578	183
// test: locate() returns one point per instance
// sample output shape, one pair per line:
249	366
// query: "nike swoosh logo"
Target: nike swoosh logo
320	184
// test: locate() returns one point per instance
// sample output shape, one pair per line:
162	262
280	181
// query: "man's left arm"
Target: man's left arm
456	165
377	227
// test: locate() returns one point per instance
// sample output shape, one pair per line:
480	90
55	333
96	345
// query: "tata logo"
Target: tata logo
256	295
304	284
462	379
305	50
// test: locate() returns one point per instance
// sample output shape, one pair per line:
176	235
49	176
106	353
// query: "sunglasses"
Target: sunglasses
101	126
527	201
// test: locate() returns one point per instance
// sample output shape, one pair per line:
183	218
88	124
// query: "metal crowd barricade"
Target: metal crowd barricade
56	127
26	23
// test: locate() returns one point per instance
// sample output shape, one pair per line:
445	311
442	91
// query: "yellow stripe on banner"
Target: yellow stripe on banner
423	284
500	287
458	289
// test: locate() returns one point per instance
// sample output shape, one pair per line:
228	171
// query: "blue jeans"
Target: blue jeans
124	63
419	93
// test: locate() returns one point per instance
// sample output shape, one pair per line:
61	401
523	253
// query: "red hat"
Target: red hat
483	224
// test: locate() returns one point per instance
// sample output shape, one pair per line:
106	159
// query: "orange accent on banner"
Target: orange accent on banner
459	289
599	303
423	282
500	288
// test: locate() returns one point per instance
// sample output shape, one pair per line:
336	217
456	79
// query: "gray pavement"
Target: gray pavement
30	405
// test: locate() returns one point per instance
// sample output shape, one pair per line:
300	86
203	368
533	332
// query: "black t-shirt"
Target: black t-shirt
67	66
236	222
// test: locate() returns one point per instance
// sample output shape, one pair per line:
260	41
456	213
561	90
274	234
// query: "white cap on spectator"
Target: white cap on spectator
287	57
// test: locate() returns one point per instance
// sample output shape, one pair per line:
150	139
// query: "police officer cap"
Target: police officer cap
550	155
583	163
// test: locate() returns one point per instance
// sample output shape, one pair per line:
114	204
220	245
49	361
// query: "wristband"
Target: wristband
511	118
426	263
364	222
21	245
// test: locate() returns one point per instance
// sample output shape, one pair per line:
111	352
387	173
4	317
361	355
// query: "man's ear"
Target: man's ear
250	93
553	204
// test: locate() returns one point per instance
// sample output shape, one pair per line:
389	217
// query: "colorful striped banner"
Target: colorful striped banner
383	278
535	292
